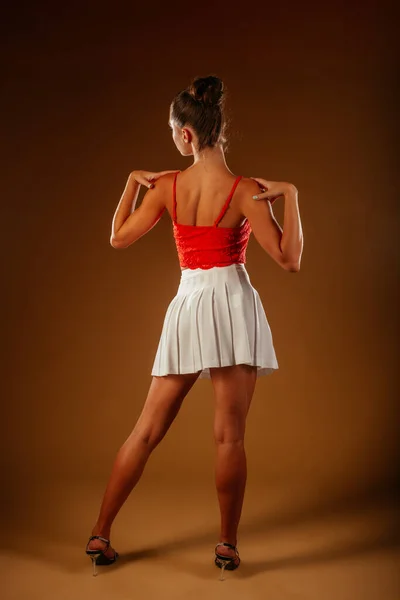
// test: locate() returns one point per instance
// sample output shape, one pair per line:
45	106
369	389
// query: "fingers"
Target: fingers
262	196
262	184
143	178
260	181
265	187
148	178
154	176
266	196
157	175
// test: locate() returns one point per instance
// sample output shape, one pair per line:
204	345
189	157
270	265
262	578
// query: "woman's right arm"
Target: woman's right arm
285	245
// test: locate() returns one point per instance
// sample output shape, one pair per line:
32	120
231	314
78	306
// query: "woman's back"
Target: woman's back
201	196
201	240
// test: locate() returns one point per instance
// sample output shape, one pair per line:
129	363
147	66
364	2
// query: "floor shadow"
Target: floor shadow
388	537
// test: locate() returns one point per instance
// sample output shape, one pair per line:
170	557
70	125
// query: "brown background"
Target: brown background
86	93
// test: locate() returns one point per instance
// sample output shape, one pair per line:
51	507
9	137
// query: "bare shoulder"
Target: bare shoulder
249	183
160	196
165	180
162	187
248	188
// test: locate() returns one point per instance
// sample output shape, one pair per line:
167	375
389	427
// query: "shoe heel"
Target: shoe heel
226	562
99	554
93	558
223	564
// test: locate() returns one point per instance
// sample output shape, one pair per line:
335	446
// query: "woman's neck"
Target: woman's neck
210	159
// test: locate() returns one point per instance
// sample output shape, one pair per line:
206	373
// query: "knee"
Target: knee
149	438
233	437
229	428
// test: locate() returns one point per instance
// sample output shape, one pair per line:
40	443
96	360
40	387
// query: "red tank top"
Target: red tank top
206	246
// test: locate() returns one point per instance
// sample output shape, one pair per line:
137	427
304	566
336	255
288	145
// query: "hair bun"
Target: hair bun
208	90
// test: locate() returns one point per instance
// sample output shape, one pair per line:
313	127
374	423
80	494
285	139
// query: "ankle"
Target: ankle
101	530
228	540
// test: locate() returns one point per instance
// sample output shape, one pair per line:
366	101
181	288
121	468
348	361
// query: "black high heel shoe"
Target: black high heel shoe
98	557
226	562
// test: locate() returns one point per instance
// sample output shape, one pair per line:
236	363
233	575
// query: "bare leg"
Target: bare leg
234	388
162	405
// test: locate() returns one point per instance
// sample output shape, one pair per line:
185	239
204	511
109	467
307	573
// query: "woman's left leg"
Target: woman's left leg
234	388
162	405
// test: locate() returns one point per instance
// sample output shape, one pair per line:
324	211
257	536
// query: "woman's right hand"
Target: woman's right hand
148	178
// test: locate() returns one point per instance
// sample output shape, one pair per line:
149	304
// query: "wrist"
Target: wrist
290	190
132	177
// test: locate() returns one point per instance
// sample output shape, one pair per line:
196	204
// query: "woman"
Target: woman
215	326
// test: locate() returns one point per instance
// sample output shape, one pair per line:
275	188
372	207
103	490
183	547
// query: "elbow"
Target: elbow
292	266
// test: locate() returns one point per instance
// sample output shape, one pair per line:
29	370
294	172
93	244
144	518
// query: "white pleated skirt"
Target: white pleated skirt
216	319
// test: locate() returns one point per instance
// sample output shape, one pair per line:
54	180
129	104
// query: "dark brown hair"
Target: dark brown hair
202	106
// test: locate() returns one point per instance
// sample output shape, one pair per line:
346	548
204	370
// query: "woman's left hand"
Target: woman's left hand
271	190
148	178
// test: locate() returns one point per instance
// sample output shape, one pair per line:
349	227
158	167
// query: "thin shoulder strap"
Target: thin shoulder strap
229	198
174	198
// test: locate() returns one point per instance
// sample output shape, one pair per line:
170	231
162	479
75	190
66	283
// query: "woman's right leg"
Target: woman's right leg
233	387
162	405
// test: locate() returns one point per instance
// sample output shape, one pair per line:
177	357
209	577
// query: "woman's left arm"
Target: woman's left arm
128	224
291	242
292	235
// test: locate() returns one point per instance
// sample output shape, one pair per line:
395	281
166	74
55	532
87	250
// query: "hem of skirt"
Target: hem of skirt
205	371
261	369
